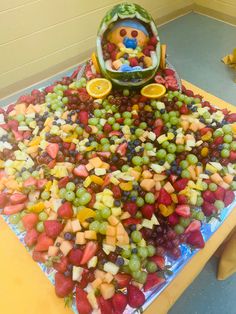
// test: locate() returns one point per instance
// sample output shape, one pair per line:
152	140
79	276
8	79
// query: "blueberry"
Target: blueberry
162	111
220	147
168	172
67	273
133	198
126	193
70	267
117	203
68	236
137	142
120	261
161	162
194	109
132	227
134	251
202	119
207	172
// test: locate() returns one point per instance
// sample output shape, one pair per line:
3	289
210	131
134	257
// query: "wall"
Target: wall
227	7
39	37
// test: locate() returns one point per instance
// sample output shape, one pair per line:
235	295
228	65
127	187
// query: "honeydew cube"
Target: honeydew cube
99	171
146	223
162	138
111	268
152	136
87	182
108	248
93	262
114	181
116	211
66	247
75	224
99	206
80	238
108	200
96	283
77	273
157	168
53	250
90	235
92	300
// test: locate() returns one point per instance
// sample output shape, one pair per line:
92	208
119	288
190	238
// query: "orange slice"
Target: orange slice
98	87
153	90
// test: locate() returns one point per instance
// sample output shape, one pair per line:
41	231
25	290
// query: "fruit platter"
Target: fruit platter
113	189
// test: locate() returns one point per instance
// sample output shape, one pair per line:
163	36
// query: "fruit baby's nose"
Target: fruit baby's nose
130	42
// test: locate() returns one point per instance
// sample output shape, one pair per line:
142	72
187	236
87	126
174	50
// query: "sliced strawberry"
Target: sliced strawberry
13	125
104	154
116	191
10	108
31	237
26	135
208	196
105	305
63	182
13	209
52	164
30	182
3	199
82	303
205	130
232	156
136	297
30	221
81	171
182	199
119	302
183	210
122	280
18	198
194	225
131	221
231	118
164	197
159	261
219	193
61	266
41	183
63	285
157	130
83	117
148	210
180	184
52	149
53	228
89	251
218	140
153	281
115	133
107	128
121	149
65	211
183	109
131	207
43	243
208	208
18	135
173	178
75	256
39	257
195	239
229	197
173	219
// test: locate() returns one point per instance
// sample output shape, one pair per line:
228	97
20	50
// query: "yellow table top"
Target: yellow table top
24	288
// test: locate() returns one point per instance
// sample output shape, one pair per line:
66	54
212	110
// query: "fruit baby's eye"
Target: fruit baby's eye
123	32
134	34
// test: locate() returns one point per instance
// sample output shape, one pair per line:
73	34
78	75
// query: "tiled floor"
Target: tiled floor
195	46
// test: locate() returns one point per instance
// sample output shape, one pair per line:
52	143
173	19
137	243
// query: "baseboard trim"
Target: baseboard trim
174	15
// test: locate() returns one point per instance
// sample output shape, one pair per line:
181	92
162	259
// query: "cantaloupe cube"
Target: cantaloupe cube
105	166
80	238
75	224
159	177
117	64
53	250
191	169
198	170
134	174
216	178
107	290
147	184
96	162
120	230
99	274
169	187
68	227
184	125
111	231
179	140
193	127
108	278
90	235
85	224
89	167
147	174
66	247
113	220
52	216
110	240
125	215
228	178
224	185
96	283
158	186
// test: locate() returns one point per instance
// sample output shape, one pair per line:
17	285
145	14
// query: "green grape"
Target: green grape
143	125
140	201
126	114
76	202
171	148
116	126
184	164
218	133
192	159
184	222
70	186
233	185
126	92
150	198
136	236
97	113
151	250
199	201
124	168
93	121
227	129
85	198
111	120
95	225
103	227
224	153
142	277
80	191
62	193
35	174
104	141
43	216
180	149
146	160
45	195
14	219
126	253
142	252
151	267
79	130
148	146
185	174
204	186
179	229
212	187
20	117
233	146
228	138
40	226
69	196
170	158
161	154
219	204
137	160
200	216
105	213
25	175
134	265
139	132
174	120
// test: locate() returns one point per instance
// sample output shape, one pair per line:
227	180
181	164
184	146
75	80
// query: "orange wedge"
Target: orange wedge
98	87
153	90
95	62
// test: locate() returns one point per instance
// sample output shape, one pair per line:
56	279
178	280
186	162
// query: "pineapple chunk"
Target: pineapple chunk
75	225
111	268
108	248
96	283
116	211
68	227
66	247
108	200
80	238
99	274
96	162
77	273
108	278
90	235
147	184
125	215
110	240
93	262
53	250
107	290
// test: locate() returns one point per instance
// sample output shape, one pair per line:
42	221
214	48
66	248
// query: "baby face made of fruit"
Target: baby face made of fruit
128	46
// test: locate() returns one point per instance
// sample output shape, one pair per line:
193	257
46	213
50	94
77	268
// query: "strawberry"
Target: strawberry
89	251
3	199
18	198
205	130
63	285
52	149
195	239
41	183
13	209
61	266
153	41
133	62
218	140
131	207
13	125
31	237
83	117
146	52
131	221
164	197
168	72
82	303
182	199
18	135
43	243
30	182
173	178
208	208
65	211
121	149
110	47
49	89
75	256
104	154
157	130
119	302
180	184
116	191
122	280
229	197
10	108
136	298
105	305
52	228
153	281
232	156
86	278
107	128
194	225
208	196
39	257
4	126
183	210
159	261
183	109
148	210
231	118
52	164
220	193
30	221
189	93
173	219
26	135
81	171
